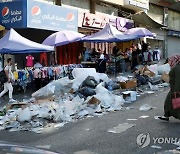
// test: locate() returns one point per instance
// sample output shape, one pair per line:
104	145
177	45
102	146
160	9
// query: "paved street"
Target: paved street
91	135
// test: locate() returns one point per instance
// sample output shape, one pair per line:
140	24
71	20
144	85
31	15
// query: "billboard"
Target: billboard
51	17
34	14
13	14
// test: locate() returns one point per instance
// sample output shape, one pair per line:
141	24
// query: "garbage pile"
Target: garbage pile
64	100
59	103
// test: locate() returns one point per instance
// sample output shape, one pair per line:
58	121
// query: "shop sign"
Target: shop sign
122	24
144	4
34	14
94	20
174	33
13	14
51	17
100	21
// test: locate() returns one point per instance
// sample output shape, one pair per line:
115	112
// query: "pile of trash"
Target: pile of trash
60	103
64	100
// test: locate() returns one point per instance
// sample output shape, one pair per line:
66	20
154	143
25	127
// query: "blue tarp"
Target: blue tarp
109	34
13	42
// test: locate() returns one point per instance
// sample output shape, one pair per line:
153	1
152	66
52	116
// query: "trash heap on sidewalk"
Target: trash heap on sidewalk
63	101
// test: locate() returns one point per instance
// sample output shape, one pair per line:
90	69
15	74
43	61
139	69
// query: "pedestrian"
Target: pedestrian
87	56
101	63
8	85
155	54
174	75
134	57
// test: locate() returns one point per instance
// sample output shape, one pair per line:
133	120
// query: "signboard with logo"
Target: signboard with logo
99	21
33	14
13	14
94	20
51	17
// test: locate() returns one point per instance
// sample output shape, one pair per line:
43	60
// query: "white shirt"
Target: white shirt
10	74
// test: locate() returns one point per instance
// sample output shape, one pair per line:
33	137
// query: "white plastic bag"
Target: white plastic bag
153	68
45	92
164	68
24	115
146	107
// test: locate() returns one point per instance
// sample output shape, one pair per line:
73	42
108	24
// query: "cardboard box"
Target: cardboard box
165	77
148	72
129	96
129	84
94	100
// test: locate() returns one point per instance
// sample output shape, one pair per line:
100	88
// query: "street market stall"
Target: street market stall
14	43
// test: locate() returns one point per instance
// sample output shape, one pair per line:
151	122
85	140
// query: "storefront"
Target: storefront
35	20
91	23
173	41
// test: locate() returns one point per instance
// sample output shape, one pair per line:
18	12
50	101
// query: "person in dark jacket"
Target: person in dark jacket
174	75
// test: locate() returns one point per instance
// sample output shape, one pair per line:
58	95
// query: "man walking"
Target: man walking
8	85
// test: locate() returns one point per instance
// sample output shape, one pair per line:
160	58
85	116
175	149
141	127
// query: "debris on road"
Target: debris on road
121	128
89	94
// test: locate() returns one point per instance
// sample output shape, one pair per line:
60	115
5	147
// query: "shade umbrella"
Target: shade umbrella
62	38
139	32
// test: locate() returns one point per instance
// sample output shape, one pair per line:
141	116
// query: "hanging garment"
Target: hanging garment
43	59
29	61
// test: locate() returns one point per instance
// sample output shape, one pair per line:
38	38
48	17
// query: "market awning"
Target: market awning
2	28
144	19
13	42
109	34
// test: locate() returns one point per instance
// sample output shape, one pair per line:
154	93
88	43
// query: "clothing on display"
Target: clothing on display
37	65
43	59
43	75
29	61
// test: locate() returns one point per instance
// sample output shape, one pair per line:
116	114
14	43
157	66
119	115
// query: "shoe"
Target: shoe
12	101
163	118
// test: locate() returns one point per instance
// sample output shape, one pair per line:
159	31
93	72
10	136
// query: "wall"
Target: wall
106	10
81	5
173	45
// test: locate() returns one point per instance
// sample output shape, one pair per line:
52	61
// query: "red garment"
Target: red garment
43	59
29	61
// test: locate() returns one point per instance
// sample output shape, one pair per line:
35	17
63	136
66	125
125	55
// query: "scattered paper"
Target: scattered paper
121	128
156	147
143	117
59	125
156	117
146	107
37	130
44	146
149	92
132	119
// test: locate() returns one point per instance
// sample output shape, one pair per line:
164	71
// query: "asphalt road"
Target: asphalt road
91	136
